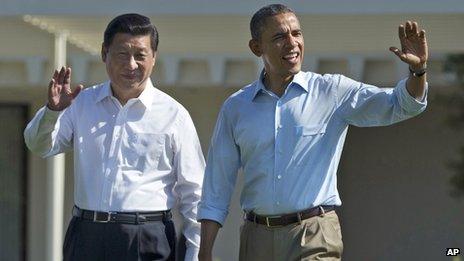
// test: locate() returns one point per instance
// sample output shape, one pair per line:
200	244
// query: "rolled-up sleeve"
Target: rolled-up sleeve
222	166
190	166
365	105
49	132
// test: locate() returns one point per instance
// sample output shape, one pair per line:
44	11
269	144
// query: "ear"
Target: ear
104	51
154	57
255	47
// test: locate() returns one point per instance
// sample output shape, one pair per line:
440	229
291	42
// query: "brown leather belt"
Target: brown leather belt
287	219
122	217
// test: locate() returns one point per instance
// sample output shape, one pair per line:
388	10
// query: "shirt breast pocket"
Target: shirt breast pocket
144	151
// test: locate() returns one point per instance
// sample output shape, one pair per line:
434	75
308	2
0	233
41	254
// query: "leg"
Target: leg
317	238
148	241
83	241
256	242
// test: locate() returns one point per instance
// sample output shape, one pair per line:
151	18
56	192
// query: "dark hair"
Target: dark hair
134	24
259	18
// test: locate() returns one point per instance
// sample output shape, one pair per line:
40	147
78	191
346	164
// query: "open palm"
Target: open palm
60	94
414	50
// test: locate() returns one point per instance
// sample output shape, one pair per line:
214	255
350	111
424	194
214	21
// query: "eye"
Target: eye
122	54
277	38
140	56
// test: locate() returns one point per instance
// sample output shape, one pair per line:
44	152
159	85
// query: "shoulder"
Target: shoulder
169	105
89	94
92	91
325	79
238	98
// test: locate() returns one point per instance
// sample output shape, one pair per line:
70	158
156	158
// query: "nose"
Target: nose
292	41
132	64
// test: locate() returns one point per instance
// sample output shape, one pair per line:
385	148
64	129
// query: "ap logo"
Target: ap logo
452	251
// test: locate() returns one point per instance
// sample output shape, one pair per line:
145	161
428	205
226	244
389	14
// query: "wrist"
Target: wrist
418	70
418	67
52	107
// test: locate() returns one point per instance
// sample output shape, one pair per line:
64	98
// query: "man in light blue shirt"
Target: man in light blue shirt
286	131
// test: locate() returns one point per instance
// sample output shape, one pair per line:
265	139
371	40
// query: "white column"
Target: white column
171	69
79	65
402	69
217	65
55	179
310	63
259	65
356	67
34	67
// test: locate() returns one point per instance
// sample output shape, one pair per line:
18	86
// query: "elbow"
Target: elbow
35	147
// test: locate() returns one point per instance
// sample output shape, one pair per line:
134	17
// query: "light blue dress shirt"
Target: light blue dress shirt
289	147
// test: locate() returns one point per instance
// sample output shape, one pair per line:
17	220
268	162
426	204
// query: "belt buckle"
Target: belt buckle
96	219
269	225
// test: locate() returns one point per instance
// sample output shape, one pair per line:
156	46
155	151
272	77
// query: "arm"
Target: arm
366	105
190	165
209	230
414	52
219	181
50	131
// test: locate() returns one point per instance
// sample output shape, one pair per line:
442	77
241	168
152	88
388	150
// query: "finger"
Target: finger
422	34
401	32
408	29
53	90
398	53
67	76
61	75
51	87
77	90
55	75
415	28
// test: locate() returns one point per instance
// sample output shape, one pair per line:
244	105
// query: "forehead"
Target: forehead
281	22
124	40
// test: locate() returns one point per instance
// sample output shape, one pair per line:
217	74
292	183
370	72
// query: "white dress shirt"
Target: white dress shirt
143	156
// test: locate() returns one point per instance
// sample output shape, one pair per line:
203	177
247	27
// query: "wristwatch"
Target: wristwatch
418	73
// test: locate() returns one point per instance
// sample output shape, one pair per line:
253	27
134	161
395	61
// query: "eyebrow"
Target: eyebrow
284	33
280	33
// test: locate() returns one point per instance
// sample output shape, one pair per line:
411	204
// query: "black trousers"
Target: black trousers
88	241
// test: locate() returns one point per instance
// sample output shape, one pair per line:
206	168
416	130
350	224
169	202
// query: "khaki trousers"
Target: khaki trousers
316	238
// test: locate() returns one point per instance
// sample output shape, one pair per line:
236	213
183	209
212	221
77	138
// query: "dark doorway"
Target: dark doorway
13	182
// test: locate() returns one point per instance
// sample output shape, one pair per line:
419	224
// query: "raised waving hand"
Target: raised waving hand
414	50
60	95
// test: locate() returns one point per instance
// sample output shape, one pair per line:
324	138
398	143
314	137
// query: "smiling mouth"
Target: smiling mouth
129	76
291	57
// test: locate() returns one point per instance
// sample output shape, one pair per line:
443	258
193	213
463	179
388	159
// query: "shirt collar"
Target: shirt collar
146	97
105	91
299	79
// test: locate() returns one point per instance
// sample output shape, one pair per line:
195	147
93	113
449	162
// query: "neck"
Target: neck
125	94
276	83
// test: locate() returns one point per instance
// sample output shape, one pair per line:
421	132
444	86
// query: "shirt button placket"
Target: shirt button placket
278	135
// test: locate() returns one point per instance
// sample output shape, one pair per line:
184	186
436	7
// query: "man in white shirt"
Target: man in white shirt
136	153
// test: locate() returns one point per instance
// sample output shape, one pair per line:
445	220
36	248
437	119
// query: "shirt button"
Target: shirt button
278	203
279	176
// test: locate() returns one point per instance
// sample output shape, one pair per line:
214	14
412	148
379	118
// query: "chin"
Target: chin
294	70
